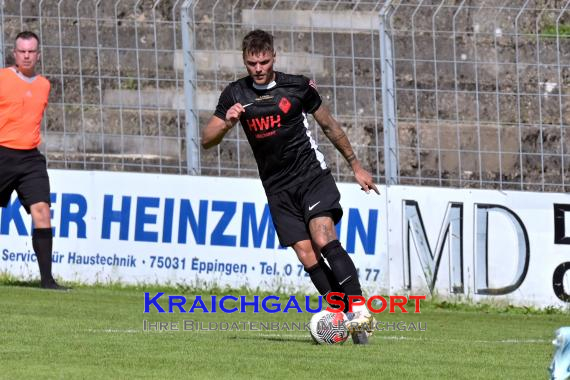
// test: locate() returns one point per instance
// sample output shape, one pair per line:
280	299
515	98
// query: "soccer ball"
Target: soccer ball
328	328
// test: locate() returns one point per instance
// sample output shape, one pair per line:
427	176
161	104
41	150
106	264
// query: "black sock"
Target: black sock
343	268
335	286
319	279
42	243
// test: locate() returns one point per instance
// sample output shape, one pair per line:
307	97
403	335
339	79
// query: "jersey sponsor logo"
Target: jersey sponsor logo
284	105
259	124
264	97
264	135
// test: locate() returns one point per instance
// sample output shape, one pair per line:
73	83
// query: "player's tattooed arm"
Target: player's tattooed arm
333	131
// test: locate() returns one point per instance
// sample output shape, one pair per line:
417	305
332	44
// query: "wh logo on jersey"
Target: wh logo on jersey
264	123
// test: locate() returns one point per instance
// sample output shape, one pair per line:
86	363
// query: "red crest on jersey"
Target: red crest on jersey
285	105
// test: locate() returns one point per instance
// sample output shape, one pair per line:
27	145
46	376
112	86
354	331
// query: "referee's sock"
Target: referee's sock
42	241
343	268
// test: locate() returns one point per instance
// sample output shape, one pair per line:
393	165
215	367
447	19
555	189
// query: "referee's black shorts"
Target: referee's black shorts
24	171
293	208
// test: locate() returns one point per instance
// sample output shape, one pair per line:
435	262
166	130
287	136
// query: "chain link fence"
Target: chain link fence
335	43
117	96
446	93
482	92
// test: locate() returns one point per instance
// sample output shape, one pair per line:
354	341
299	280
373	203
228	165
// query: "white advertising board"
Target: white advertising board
144	228
480	244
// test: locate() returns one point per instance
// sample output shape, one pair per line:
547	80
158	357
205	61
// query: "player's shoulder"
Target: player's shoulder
297	81
241	82
238	85
5	71
291	79
43	81
9	73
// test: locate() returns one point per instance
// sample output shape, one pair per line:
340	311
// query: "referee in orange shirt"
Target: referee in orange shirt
23	99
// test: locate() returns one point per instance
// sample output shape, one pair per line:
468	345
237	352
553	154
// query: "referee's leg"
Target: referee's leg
42	242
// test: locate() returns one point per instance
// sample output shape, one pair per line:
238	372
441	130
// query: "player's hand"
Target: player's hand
365	181
233	115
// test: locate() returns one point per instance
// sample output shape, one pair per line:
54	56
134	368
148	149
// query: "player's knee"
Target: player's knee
322	241
322	232
307	260
41	215
305	254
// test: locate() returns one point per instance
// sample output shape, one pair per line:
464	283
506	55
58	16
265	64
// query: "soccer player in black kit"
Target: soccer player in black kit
302	195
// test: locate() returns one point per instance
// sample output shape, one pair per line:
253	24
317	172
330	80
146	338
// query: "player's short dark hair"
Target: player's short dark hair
257	41
27	35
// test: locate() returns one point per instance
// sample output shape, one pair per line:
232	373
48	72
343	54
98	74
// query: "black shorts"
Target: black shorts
24	171
293	208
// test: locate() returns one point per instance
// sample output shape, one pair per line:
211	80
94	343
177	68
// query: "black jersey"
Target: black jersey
275	123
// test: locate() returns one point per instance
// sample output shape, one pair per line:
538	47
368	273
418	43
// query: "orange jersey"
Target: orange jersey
22	105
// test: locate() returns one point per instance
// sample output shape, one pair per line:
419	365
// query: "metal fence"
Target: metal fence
335	43
117	93
119	68
444	93
482	92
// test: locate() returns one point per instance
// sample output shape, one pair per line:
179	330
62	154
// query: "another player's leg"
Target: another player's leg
42	242
560	366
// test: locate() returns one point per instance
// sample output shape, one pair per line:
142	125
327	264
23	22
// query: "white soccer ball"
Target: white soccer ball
328	328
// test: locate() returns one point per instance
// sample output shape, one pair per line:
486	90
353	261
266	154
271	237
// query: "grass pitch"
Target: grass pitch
97	333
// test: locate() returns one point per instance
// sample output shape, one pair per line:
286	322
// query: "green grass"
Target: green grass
97	333
551	31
